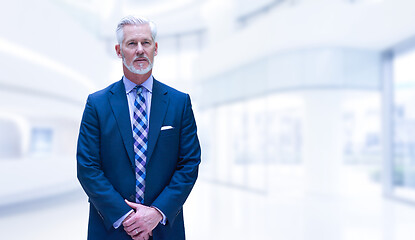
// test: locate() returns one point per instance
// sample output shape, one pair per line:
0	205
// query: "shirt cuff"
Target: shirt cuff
118	223
164	220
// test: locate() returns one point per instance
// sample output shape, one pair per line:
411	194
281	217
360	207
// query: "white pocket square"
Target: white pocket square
166	128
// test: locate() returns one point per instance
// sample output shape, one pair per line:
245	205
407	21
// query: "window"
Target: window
403	147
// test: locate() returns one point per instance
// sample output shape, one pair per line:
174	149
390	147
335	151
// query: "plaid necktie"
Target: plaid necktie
140	132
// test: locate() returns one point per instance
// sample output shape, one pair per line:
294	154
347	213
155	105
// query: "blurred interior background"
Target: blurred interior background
304	109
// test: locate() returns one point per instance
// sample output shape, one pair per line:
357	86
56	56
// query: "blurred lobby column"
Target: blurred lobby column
322	156
323	142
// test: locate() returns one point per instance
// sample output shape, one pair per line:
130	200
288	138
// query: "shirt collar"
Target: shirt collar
129	85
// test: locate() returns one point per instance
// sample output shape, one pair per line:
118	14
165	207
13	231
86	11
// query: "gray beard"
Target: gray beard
135	70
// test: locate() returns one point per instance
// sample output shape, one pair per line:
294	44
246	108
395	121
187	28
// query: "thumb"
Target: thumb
131	204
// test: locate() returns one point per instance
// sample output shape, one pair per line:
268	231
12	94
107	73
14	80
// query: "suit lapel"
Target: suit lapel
119	105
158	110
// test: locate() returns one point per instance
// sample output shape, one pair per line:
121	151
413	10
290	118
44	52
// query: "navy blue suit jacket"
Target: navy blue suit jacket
105	159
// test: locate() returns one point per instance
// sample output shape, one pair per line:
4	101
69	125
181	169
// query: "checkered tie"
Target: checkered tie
140	132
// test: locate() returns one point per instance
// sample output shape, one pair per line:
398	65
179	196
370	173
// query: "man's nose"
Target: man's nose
139	49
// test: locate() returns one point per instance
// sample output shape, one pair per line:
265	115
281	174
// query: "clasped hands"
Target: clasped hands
140	223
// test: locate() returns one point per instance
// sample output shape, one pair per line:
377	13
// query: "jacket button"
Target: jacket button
132	198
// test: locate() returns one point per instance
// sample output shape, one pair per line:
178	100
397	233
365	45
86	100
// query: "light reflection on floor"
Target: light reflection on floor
216	211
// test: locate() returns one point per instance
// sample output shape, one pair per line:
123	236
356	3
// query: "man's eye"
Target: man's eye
131	43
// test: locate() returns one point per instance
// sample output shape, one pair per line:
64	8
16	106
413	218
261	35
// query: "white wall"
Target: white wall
50	63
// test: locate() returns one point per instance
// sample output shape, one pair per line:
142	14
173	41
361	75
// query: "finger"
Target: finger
129	231
144	236
148	236
141	235
131	224
128	222
151	233
131	228
128	218
137	232
131	204
134	232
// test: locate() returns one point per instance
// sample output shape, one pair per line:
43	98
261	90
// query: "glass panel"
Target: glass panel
242	139
404	125
362	135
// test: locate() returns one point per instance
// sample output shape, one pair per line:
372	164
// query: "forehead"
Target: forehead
141	31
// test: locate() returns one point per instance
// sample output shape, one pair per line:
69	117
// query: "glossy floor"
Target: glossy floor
220	211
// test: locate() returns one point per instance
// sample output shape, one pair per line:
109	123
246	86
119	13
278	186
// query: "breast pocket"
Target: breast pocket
169	132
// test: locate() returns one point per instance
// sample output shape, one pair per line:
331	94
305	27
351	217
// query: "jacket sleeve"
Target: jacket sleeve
107	201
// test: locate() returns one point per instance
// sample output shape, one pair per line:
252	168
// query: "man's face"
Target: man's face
137	49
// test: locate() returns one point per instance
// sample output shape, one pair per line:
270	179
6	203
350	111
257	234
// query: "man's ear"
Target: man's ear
156	49
118	50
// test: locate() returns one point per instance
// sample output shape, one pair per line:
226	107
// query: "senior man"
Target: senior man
138	152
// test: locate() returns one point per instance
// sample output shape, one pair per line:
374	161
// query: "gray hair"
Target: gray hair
132	20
